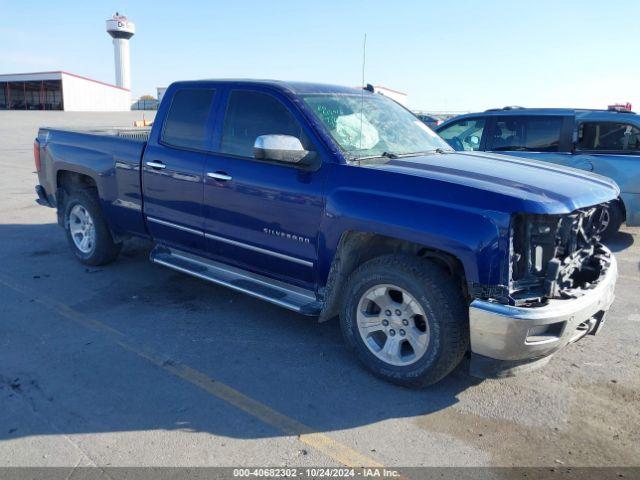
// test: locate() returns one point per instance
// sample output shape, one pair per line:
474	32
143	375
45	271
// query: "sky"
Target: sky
458	55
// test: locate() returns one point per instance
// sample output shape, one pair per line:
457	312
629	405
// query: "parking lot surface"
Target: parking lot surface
132	364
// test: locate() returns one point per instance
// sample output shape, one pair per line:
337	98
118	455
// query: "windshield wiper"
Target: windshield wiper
511	149
381	155
394	156
413	154
369	157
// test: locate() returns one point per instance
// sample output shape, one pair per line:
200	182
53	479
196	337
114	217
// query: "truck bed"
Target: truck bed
133	133
110	156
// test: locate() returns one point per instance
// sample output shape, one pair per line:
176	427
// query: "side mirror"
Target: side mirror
474	140
281	148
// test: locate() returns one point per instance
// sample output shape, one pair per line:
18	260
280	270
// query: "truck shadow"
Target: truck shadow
620	241
65	371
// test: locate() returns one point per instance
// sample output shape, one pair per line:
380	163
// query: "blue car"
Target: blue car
606	142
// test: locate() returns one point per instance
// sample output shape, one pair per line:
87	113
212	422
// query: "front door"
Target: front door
262	216
465	134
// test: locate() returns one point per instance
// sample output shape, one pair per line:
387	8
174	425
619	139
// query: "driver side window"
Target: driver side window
464	134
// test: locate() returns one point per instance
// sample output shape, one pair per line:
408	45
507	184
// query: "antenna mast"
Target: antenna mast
364	58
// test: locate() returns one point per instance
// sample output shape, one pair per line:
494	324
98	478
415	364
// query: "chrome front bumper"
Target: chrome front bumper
505	339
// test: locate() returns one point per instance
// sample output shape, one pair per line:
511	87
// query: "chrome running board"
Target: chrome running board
280	293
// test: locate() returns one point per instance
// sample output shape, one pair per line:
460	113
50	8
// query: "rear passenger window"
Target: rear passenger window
536	134
251	114
186	123
608	136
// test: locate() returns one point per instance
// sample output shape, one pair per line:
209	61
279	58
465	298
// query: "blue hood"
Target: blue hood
540	187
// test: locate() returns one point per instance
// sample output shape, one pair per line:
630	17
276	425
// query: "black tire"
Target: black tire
103	250
615	215
440	297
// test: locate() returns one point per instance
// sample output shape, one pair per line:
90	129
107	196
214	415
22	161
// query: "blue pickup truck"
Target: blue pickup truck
335	201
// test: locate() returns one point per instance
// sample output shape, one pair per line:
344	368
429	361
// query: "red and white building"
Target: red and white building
59	90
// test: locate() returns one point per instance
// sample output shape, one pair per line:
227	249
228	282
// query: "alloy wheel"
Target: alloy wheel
82	229
393	325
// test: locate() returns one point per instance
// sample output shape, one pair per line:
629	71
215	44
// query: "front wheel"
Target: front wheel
611	218
87	231
406	319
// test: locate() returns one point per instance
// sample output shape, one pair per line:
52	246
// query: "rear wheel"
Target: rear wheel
87	231
406	319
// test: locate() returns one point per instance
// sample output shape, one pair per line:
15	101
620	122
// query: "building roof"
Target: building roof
51	75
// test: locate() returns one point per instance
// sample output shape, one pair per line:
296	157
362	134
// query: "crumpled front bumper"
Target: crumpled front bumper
507	339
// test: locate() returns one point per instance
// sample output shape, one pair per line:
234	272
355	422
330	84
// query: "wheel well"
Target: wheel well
67	181
355	248
70	180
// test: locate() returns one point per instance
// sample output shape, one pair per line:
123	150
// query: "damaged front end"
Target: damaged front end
555	256
561	285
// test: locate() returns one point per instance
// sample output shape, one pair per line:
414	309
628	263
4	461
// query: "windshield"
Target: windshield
384	128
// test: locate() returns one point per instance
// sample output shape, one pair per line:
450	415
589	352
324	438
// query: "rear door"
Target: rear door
173	168
263	216
612	149
539	137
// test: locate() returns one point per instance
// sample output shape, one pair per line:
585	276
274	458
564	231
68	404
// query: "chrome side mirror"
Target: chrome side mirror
281	148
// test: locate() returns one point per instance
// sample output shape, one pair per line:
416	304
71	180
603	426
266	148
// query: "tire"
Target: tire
100	249
444	325
614	216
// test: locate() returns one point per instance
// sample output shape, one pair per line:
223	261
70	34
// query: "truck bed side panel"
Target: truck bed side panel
112	162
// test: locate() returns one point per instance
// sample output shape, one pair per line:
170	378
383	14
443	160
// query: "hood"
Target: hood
541	187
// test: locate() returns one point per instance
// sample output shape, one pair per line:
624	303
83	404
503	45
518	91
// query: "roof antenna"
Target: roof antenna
364	58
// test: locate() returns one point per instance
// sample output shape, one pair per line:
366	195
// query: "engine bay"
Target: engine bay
556	256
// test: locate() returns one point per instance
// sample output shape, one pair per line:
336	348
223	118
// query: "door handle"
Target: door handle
156	164
219	176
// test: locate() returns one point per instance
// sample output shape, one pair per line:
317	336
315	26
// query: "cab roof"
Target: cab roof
290	87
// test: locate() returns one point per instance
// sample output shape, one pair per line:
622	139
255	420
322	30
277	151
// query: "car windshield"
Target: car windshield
384	128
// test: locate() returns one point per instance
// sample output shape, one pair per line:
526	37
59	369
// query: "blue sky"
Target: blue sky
447	55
